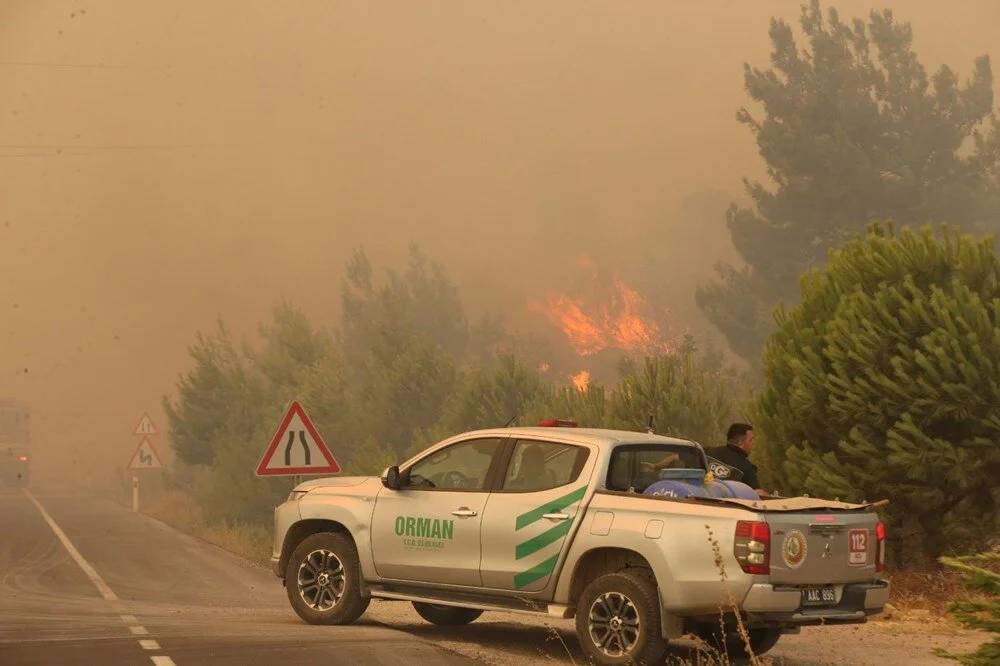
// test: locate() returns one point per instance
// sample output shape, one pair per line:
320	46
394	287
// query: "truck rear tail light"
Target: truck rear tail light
880	546
23	458
556	423
752	546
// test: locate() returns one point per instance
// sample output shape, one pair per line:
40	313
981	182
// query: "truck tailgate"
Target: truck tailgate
815	548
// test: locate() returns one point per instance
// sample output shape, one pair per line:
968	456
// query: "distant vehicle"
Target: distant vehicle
15	440
625	531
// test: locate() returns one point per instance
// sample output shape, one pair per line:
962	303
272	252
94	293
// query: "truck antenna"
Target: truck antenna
649	426
510	421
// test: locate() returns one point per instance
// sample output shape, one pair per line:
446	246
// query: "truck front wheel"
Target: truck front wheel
323	580
618	620
446	616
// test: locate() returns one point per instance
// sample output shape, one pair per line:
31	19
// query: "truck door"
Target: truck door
531	512
429	531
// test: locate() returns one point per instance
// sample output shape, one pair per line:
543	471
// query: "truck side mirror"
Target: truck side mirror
390	478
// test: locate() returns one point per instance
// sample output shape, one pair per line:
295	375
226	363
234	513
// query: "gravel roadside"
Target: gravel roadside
527	640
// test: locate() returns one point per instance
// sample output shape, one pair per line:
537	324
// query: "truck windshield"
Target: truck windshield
634	467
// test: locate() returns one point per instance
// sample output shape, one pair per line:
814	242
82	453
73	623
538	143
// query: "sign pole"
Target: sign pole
135	493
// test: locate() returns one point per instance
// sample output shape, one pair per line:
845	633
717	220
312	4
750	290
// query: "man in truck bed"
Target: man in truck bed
736	454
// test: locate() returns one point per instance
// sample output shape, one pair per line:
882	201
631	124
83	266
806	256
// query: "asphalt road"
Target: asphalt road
155	596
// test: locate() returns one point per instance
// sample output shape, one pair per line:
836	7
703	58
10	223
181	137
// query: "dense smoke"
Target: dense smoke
165	165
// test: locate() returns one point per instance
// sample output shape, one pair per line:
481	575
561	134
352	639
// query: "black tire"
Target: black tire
618	620
315	597
733	645
446	616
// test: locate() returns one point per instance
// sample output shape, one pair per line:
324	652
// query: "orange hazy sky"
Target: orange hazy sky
164	164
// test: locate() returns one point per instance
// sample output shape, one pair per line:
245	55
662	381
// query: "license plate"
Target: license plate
819	595
857	552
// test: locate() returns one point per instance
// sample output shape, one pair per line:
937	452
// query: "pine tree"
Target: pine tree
885	382
853	130
216	390
488	397
588	409
684	398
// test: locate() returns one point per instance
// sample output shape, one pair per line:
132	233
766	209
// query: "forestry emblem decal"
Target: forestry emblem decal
794	549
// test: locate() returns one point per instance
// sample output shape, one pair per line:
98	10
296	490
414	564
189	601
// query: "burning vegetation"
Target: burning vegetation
581	380
614	321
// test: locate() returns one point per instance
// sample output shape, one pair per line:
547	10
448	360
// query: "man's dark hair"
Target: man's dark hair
736	432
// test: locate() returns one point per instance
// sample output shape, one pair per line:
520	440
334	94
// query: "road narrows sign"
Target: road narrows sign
296	448
145	426
145	456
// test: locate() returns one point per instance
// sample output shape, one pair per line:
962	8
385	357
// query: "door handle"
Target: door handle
464	512
556	516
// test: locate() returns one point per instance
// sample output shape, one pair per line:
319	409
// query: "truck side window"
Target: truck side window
634	467
538	465
461	466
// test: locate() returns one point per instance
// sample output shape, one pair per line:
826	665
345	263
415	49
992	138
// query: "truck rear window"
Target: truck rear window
634	467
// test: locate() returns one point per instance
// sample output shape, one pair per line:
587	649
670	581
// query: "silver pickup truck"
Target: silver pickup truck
554	520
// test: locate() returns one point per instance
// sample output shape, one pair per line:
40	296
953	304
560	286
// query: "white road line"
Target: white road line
92	574
102	587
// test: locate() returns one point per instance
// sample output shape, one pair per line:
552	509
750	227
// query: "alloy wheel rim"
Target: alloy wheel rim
321	580
614	624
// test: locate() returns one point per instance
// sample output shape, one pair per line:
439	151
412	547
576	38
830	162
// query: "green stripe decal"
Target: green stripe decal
528	577
542	540
554	506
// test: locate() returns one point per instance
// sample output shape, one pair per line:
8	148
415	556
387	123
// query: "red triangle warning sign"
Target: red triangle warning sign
145	426
296	448
145	456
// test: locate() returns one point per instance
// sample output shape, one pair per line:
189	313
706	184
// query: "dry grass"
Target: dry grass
554	635
181	512
932	589
708	654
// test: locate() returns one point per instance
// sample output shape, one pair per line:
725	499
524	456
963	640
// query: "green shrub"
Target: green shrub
981	574
884	383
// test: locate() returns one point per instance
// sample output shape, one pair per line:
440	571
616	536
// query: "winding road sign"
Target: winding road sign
145	456
296	448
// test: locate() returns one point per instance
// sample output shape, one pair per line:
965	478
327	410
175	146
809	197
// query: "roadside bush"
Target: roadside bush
884	382
179	510
981	574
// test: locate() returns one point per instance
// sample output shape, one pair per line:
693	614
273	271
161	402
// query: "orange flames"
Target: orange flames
584	334
617	324
581	380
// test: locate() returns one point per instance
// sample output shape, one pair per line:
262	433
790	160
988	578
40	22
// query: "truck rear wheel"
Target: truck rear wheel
618	620
446	616
323	580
